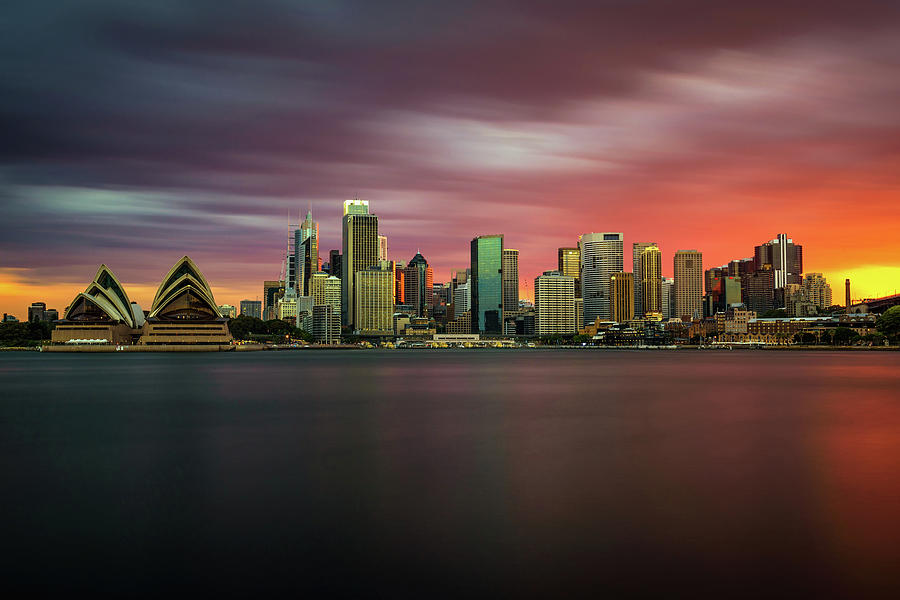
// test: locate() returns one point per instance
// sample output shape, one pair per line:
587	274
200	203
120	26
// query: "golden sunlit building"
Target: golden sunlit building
374	292
637	250
360	251
326	290
554	304
569	260
621	291
688	284
650	282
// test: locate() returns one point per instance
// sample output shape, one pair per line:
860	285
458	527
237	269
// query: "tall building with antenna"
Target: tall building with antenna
306	244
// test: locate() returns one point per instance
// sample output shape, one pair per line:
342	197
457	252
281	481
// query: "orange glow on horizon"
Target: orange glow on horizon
17	293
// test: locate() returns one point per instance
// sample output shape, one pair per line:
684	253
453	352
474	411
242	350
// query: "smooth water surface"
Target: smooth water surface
452	473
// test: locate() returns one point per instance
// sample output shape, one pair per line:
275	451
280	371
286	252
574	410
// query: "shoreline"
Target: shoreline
110	348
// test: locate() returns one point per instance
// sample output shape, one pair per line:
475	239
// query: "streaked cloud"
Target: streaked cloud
146	131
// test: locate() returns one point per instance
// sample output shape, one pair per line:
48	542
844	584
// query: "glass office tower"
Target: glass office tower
487	284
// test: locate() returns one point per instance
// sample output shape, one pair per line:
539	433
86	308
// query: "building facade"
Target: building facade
272	293
667	297
418	279
621	289
650	282
554	304
326	290
487	284
758	289
569	264
510	280
786	259
602	254
688	284
251	308
38	311
637	250
374	309
360	252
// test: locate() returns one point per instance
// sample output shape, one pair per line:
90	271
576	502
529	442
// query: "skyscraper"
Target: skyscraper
688	284
650	282
569	264
554	304
360	251
637	249
759	289
667	297
382	247
306	248
786	259
374	308
487	283
621	296
418	281
510	280
602	254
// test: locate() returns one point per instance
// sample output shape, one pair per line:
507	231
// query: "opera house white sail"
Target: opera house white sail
102	312
184	313
184	310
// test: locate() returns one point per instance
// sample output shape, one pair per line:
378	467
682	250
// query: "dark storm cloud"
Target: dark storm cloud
146	126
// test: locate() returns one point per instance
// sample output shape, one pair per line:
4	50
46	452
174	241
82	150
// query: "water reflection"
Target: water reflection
454	472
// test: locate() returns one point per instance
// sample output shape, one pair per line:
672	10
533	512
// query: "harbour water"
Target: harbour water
452	473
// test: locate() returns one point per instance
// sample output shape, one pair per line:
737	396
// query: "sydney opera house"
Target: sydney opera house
183	312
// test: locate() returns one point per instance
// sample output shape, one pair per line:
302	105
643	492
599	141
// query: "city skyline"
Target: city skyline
254	288
160	135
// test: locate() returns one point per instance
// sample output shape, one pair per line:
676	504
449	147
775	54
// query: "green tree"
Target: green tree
302	334
24	334
844	336
806	338
888	324
874	339
245	328
278	327
775	313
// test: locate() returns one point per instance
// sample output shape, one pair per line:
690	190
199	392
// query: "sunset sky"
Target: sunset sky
135	133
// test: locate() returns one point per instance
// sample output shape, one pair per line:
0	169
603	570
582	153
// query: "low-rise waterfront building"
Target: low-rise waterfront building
38	311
